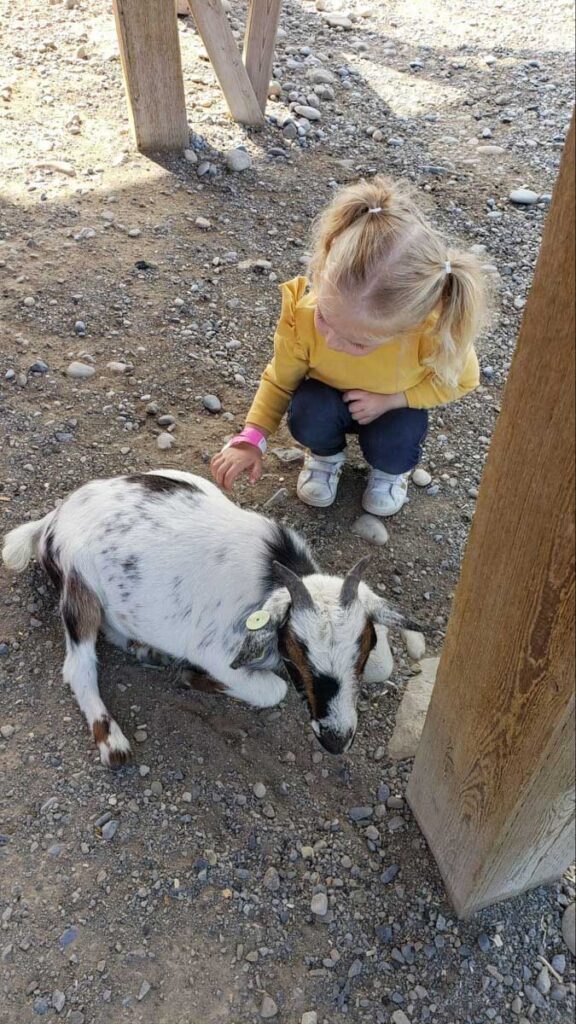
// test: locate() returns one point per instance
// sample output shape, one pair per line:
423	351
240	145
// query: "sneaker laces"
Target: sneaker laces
319	468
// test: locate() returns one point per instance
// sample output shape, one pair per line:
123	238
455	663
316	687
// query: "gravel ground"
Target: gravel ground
235	873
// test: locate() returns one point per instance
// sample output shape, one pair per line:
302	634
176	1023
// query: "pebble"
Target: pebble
140	736
156	788
29	301
6	731
203	222
523	196
310	1017
166	421
190	156
211	403
319	904
543	983
399	1017
415	644
559	963
80	328
569	928
310	113
278	498
421	477
268	1008
484	942
259	790
115	367
238	160
68	937
80	370
271	880
164	441
58	1000
109	829
370	529
39	367
144	990
535	997
134	233
360	813
389	874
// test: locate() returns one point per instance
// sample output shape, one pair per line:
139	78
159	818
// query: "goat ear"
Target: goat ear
258	644
378	610
256	647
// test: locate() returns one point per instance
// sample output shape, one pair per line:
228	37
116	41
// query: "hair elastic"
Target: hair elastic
375	209
448	267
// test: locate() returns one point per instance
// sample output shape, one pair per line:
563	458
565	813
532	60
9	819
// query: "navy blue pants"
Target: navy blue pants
319	418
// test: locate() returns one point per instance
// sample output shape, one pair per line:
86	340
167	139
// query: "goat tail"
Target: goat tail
20	544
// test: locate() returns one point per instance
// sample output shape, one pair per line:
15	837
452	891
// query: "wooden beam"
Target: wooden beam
150	54
259	41
493	781
226	59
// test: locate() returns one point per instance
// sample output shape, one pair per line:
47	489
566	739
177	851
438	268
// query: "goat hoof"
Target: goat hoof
114	748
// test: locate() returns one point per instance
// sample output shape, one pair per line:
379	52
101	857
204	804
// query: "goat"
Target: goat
164	559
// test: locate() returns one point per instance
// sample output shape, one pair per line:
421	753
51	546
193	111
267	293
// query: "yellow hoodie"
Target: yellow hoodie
300	352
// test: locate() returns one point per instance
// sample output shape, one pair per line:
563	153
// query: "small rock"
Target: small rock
144	990
80	328
115	367
484	942
360	813
310	1017
80	371
370	529
535	997
569	928
164	441
67	937
399	1017
543	981
211	403
109	829
268	1008
523	196
412	712
278	498
319	904
58	1000
310	113
156	788
415	644
559	963
203	222
29	301
39	367
421	477
134	233
271	880
288	454
140	736
259	790
238	160
190	156
166	421
6	731
389	874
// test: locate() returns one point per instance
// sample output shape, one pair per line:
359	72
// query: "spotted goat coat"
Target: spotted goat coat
166	561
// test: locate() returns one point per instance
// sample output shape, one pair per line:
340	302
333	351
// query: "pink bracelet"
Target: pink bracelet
249	435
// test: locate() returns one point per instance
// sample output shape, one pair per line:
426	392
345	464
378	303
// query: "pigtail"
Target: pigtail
462	310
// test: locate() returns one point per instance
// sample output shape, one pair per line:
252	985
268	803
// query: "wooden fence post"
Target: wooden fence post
493	781
226	59
260	38
150	54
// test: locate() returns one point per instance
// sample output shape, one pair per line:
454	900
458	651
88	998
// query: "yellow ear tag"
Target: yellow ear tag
258	619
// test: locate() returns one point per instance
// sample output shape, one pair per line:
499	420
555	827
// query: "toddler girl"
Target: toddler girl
384	333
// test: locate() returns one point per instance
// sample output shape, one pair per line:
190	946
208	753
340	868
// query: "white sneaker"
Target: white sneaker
385	493
318	480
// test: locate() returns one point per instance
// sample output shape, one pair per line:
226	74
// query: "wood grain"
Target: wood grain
150	53
259	42
493	781
212	24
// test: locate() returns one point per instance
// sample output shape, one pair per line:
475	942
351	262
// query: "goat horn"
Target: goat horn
301	599
349	591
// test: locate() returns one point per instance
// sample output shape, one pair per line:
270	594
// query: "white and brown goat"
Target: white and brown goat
165	560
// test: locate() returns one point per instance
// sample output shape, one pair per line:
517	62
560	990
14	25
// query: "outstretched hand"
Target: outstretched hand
230	463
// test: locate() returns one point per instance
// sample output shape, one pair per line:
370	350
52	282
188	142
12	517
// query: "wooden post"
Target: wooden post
493	781
150	53
261	29
226	59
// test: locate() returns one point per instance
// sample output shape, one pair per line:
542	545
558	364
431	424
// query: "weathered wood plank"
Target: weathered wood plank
493	781
150	54
259	41
226	59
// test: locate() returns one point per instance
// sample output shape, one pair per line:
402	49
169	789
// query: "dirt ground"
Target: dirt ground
197	910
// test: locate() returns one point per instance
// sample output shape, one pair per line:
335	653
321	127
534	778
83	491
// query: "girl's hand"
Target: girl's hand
230	463
365	406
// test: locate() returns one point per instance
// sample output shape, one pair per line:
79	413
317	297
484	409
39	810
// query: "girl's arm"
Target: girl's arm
431	392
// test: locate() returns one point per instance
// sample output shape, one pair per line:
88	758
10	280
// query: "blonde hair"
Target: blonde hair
373	242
